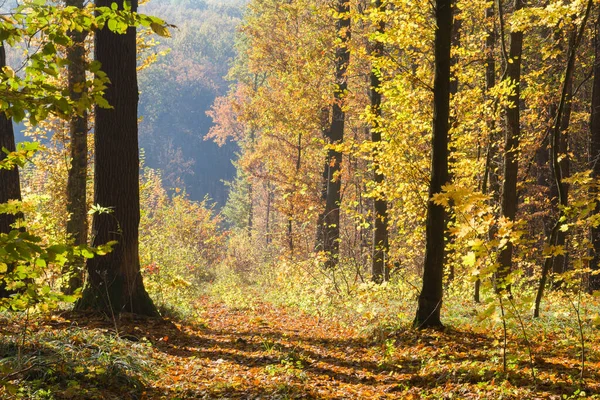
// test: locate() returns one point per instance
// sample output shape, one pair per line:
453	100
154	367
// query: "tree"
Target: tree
77	224
380	234
511	144
595	155
10	188
562	113
115	282
430	298
329	220
489	178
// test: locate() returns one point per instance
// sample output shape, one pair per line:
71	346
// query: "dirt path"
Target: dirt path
268	353
272	353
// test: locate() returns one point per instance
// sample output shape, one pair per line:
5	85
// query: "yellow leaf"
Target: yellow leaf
8	71
470	259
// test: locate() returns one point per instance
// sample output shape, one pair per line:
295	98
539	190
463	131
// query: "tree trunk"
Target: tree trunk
251	210
77	225
490	82
268	214
559	264
291	214
379	268
430	299
511	150
115	282
555	148
594	283
10	188
330	219
451	220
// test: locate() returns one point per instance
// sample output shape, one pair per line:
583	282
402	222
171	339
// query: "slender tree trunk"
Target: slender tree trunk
554	150
291	215
511	150
451	220
325	125
490	82
594	283
559	264
115	282
430	299
330	220
544	178
268	216
379	268
10	188
77	225
251	210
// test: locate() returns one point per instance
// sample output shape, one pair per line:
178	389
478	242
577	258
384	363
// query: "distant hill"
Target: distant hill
177	91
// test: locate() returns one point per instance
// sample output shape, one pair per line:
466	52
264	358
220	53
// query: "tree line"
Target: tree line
457	141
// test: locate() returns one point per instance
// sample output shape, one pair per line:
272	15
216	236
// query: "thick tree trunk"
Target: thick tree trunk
594	283
115	282
430	299
329	230
511	150
379	268
77	225
10	188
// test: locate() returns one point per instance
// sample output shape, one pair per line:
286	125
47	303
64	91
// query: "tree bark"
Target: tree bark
379	268
115	282
77	225
430	298
329	239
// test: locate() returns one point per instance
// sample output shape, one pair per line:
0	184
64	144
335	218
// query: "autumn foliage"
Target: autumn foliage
395	158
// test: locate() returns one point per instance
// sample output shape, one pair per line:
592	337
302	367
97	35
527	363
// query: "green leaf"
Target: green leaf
112	24
17	114
160	30
87	253
57	248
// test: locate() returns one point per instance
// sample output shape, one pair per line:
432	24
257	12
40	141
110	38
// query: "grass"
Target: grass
54	358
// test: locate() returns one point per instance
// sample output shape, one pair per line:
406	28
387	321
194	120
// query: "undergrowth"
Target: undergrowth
57	360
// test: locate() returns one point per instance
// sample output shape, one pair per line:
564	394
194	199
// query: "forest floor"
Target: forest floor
270	352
